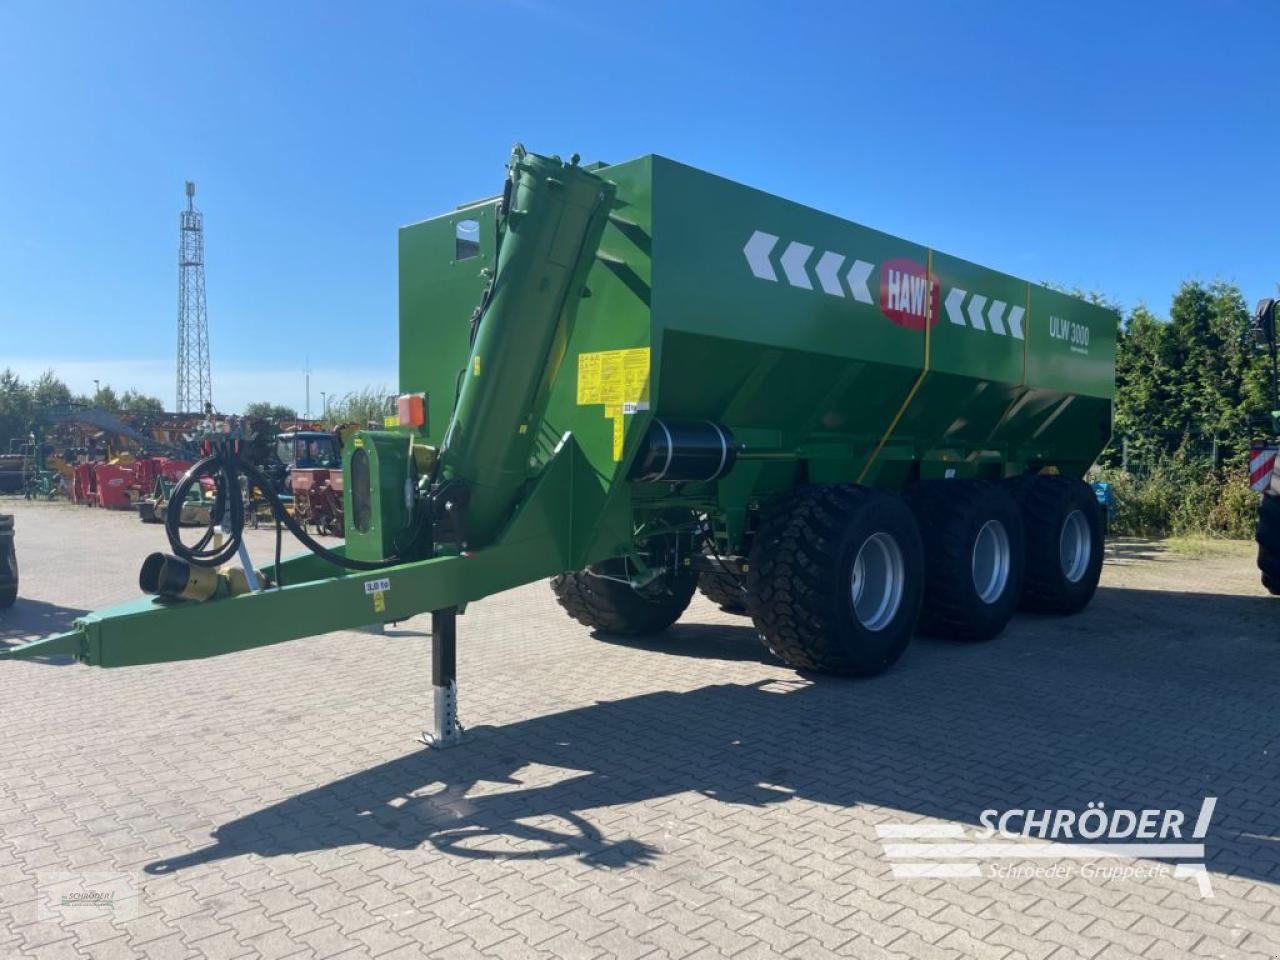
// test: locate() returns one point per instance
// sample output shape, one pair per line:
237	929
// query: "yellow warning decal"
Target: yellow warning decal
619	379
613	411
379	602
613	376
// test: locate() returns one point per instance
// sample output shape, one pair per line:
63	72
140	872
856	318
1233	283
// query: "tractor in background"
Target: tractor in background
313	476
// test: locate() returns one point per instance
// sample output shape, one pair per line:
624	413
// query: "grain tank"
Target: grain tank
640	378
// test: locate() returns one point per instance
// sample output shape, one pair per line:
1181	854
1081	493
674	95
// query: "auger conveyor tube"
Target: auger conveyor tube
550	230
549	236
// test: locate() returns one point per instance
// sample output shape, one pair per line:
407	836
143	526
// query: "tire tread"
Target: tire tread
613	607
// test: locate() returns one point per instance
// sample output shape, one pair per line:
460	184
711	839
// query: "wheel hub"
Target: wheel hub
1074	546
990	562
876	583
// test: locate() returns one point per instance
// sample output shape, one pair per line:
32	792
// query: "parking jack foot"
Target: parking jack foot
445	730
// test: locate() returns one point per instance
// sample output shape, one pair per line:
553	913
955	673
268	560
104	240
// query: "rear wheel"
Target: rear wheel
1063	527
835	579
601	598
973	548
725	591
1268	537
8	573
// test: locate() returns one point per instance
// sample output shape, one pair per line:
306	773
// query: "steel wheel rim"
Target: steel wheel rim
875	585
990	562
1074	545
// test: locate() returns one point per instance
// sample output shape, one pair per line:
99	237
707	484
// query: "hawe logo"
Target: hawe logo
907	297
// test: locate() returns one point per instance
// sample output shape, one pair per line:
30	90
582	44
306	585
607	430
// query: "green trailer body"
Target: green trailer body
558	332
803	333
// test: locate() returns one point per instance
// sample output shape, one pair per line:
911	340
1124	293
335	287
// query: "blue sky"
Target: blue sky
1119	147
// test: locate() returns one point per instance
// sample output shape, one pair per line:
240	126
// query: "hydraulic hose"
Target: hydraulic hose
225	467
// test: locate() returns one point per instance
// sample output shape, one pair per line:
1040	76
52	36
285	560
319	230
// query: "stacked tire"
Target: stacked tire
1267	536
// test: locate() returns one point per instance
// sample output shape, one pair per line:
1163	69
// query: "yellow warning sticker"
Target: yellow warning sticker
619	379
613	411
379	602
613	376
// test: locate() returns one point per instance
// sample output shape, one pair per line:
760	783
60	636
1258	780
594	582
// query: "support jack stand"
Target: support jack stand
445	731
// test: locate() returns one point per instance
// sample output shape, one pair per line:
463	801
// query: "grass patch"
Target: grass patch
1199	546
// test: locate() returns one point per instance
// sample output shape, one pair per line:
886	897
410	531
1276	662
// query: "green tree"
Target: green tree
1215	375
1184	383
270	411
1145	406
105	398
135	401
48	390
15	408
365	406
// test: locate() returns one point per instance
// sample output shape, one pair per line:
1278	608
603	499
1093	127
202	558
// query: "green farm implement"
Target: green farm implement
633	377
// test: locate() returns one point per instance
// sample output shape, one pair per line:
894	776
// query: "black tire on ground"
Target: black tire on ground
835	578
973	550
1062	524
8	574
1269	561
147	512
1267	536
725	591
1268	530
609	605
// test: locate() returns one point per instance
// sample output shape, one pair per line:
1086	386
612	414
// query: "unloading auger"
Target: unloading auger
640	377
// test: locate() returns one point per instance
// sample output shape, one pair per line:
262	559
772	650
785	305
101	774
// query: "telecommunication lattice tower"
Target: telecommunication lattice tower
194	387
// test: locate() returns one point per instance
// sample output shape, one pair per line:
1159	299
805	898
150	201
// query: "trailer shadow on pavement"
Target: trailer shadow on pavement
32	619
1042	717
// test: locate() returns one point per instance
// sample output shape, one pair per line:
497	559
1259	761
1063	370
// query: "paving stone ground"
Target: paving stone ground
679	797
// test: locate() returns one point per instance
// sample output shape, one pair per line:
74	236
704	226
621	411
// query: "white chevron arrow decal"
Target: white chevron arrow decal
857	278
1015	321
793	260
757	253
995	316
828	272
976	303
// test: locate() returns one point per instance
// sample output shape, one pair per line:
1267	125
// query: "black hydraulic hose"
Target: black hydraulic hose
225	468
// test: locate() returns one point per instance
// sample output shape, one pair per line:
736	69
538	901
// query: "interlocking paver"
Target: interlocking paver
678	797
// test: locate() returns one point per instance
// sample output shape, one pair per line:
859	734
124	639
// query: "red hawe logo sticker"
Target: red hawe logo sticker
907	297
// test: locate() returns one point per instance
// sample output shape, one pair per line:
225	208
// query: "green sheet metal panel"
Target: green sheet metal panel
440	284
783	321
979	330
1072	345
772	315
613	318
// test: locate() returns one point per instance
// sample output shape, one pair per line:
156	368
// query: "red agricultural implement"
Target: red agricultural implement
317	499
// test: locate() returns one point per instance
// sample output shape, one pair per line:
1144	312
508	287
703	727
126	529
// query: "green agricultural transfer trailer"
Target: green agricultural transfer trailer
637	377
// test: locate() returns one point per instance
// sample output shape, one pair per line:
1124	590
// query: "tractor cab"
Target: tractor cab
308	449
